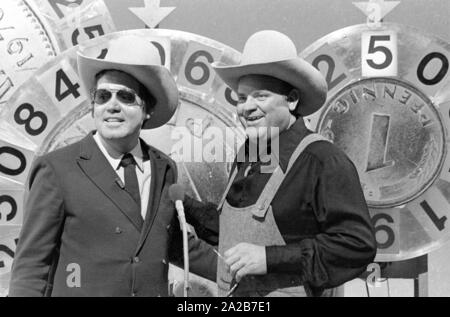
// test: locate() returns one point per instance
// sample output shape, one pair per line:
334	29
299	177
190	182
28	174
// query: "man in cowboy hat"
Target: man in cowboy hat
98	219
303	227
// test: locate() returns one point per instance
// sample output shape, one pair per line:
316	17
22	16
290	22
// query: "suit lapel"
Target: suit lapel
159	167
97	168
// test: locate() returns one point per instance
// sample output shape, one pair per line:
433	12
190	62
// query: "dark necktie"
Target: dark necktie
131	181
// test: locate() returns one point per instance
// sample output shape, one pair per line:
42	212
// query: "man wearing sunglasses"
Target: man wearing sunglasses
98	218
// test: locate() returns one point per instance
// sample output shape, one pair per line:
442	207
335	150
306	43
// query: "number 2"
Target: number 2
330	70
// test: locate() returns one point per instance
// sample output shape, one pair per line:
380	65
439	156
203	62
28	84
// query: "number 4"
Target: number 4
62	84
72	89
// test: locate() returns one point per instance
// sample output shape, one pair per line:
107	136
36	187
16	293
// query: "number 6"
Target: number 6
388	230
192	63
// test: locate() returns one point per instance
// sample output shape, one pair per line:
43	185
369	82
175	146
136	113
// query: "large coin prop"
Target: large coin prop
75	21
388	109
26	43
51	110
33	32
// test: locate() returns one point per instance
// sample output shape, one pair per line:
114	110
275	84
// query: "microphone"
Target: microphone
176	194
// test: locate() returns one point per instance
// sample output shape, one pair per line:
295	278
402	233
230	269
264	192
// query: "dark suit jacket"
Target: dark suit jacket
77	216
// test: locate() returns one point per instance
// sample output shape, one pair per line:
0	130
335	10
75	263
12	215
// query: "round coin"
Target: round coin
393	134
26	43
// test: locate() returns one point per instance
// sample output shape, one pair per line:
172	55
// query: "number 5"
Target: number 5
379	54
89	30
383	49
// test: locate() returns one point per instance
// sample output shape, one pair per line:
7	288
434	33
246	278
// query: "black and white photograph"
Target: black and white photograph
232	149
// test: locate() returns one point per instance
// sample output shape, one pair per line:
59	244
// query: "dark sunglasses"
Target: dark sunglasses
127	97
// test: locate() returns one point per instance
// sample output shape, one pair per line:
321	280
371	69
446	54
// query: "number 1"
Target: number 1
378	143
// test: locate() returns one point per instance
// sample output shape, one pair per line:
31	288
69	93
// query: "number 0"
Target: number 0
17	154
439	76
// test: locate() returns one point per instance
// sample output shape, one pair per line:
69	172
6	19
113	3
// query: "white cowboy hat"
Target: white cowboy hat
139	58
272	53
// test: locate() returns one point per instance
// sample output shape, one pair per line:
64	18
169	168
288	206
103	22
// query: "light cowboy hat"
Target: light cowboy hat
139	58
272	53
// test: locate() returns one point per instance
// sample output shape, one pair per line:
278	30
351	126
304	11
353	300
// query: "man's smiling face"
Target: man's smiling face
115	120
263	105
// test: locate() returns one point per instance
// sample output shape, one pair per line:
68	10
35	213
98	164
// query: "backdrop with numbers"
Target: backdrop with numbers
413	61
305	21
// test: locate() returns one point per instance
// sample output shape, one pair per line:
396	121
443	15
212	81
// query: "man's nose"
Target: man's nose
113	105
248	106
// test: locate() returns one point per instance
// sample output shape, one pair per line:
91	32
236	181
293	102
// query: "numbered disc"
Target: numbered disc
33	32
388	109
50	110
73	22
26	43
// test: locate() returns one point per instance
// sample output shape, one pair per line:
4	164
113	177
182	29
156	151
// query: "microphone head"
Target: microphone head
176	192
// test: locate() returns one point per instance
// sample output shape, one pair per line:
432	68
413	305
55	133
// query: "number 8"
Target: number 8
27	121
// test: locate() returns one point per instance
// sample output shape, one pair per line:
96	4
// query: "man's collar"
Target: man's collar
115	157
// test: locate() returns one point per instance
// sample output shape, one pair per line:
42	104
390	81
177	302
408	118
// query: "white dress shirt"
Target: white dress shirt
143	170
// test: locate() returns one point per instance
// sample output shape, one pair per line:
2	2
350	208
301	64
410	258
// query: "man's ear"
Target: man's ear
293	98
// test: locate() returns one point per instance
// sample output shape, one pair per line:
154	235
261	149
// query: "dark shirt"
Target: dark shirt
319	209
